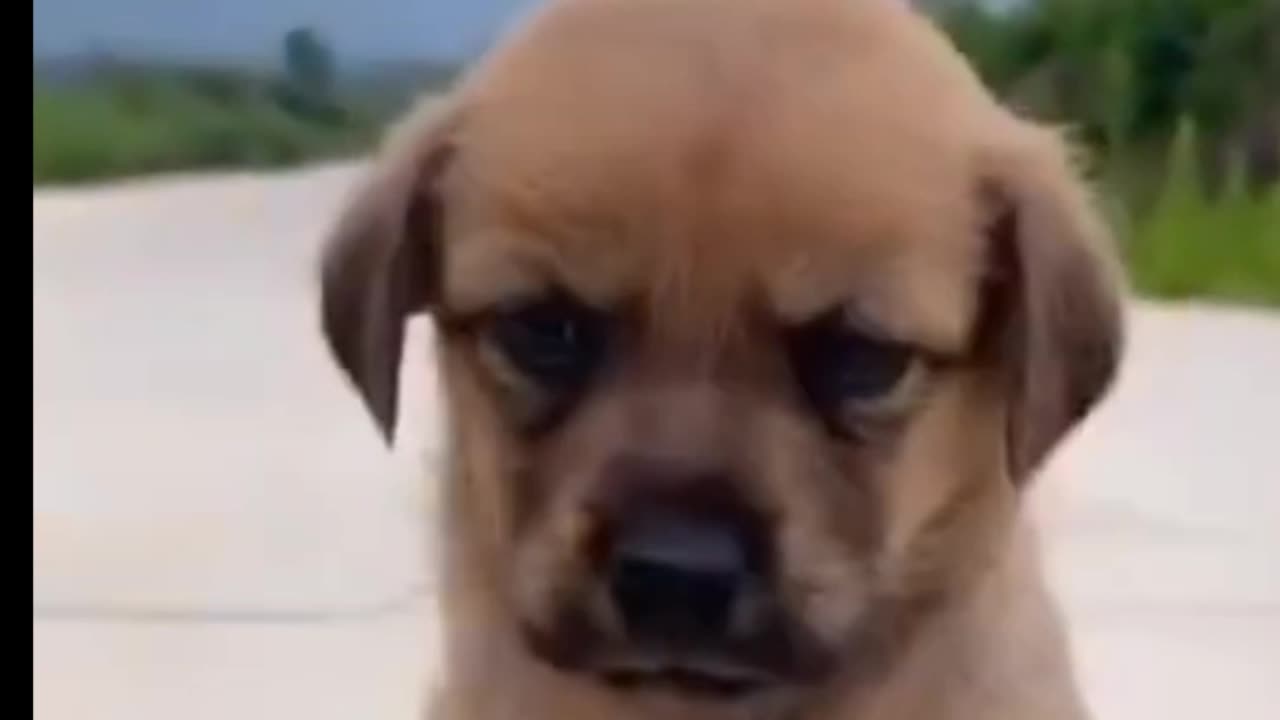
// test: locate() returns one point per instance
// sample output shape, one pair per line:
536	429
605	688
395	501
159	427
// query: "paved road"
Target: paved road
218	533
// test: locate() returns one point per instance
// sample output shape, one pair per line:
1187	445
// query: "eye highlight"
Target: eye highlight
842	369
554	341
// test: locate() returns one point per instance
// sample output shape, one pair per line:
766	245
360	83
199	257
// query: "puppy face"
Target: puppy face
755	317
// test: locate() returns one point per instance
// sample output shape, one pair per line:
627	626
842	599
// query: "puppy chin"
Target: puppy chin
781	661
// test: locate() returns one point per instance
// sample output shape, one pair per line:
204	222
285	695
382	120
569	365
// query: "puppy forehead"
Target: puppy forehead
808	158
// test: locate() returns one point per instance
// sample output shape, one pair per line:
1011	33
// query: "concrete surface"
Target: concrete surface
217	531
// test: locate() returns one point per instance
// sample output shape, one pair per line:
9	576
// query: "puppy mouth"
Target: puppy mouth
711	678
706	675
715	674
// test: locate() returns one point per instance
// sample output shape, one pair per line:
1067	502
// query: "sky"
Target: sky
252	29
245	29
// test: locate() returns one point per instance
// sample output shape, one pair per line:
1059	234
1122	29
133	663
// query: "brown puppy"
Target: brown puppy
756	319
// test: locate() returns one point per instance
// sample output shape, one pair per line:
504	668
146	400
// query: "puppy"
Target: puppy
756	320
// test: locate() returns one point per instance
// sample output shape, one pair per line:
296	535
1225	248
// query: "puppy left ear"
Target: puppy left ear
1056	297
380	261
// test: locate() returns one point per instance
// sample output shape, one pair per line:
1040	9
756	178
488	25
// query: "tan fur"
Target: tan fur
705	164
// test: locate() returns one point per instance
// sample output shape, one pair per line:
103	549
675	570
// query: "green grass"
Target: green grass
1184	243
159	122
1223	246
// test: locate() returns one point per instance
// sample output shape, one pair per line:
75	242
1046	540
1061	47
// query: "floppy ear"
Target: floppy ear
380	261
1057	296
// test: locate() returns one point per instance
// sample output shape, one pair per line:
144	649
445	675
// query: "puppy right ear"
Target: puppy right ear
1057	295
380	263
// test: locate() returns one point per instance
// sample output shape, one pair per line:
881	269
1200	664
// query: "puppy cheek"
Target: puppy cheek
947	501
822	550
541	576
552	566
823	588
487	458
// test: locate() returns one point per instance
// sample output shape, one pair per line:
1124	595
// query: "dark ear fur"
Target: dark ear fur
380	262
1057	296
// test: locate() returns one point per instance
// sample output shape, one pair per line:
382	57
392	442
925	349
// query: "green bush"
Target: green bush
126	119
157	121
1126	71
1178	102
1193	244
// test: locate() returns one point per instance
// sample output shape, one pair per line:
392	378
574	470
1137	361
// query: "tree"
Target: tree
308	89
309	64
1126	72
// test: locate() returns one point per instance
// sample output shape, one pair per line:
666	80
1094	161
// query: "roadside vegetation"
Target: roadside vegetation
1177	104
113	118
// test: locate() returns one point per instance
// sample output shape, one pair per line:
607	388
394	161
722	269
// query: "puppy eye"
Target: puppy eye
556	342
836	365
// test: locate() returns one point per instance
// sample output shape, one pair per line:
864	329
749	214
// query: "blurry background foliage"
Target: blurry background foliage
1175	102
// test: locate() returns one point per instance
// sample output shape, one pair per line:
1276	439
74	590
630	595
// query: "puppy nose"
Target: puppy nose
677	578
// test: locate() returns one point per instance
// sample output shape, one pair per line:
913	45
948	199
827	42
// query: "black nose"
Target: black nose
678	579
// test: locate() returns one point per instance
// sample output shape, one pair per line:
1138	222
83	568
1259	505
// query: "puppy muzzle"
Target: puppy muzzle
685	602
